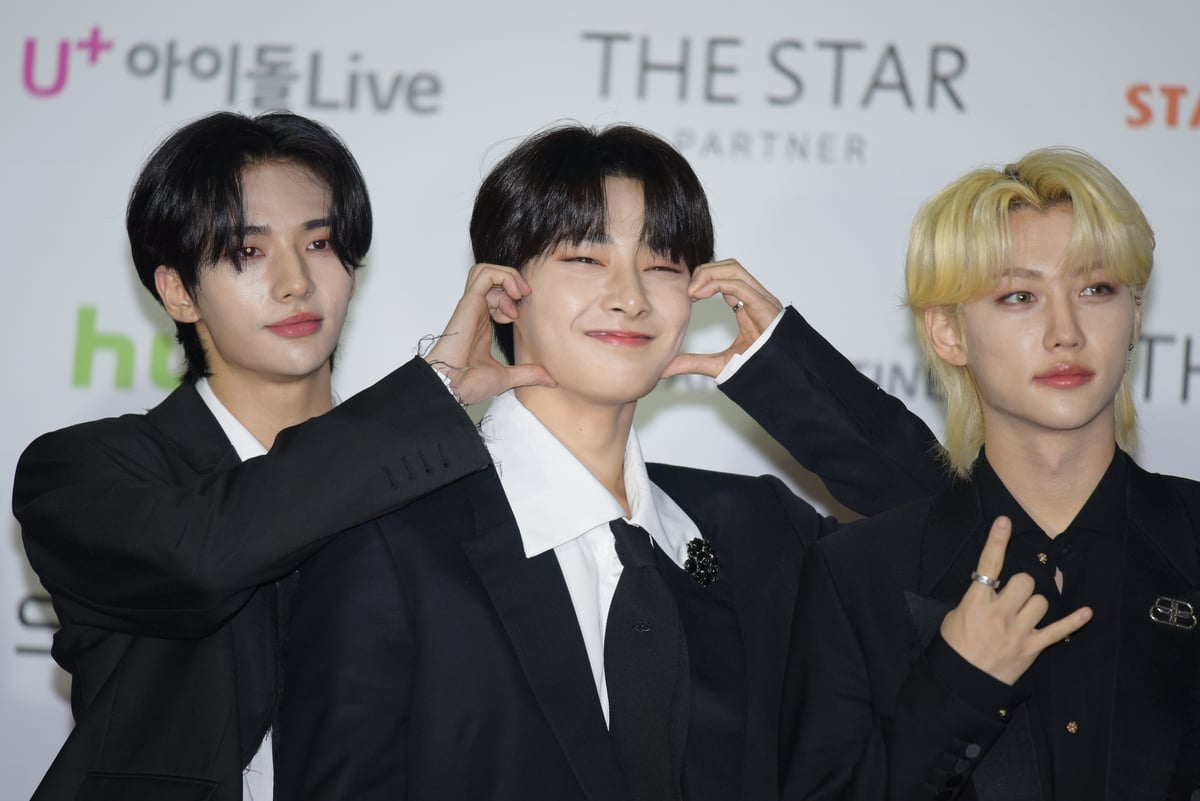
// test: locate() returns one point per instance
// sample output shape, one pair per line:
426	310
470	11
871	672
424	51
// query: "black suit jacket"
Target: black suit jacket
161	551
868	718
430	659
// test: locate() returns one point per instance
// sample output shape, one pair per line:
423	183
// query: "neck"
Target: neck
1052	477
594	434
266	408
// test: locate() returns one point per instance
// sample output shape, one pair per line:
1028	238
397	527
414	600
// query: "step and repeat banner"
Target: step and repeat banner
817	127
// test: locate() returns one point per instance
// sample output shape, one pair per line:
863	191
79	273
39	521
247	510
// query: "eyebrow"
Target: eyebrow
1023	272
1031	274
311	225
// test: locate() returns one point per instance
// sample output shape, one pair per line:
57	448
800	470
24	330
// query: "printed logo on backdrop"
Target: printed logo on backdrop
103	353
269	76
1162	106
823	78
37	623
1168	367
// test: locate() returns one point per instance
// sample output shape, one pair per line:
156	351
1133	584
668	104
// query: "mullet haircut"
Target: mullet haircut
187	210
960	250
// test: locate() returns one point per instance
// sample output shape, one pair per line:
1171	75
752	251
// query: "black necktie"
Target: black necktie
646	669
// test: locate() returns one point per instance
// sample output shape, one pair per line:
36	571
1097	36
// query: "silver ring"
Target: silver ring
986	581
734	308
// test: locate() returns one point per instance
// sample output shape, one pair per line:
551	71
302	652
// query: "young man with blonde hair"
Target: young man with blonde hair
1031	632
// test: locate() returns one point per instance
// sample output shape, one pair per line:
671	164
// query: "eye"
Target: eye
248	252
666	268
320	244
1100	290
580	259
1016	298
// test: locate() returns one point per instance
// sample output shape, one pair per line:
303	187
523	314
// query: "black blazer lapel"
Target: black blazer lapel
954	534
1156	661
536	612
758	532
197	438
185	421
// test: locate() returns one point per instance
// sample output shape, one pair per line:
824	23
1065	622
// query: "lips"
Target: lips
296	325
1065	376
622	338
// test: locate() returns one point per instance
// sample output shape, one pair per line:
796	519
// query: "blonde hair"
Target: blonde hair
960	250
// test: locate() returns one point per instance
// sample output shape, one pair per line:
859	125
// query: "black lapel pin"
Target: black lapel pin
702	562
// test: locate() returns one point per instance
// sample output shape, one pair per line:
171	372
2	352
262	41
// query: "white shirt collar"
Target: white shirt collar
245	443
555	499
239	436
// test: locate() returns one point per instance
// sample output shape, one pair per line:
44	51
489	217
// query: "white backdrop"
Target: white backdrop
817	127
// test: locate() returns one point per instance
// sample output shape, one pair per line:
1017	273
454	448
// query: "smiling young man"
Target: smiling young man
166	539
576	623
1070	666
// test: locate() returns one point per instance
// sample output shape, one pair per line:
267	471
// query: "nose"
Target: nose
626	292
1062	325
291	277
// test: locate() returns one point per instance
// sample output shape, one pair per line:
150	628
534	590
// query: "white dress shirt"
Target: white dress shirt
560	506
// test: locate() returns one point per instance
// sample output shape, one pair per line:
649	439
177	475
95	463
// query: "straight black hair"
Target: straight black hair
187	207
549	191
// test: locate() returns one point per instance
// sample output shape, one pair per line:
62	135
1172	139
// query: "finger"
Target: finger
712	271
708	285
486	277
709	364
1029	615
1018	587
729	271
1059	630
724	269
991	559
502	307
710	267
760	306
529	375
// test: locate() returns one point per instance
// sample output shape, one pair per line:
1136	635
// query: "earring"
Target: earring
1129	358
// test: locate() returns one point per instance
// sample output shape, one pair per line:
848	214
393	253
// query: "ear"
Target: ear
941	327
174	295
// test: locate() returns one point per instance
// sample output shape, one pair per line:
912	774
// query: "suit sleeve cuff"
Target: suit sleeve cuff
739	359
987	695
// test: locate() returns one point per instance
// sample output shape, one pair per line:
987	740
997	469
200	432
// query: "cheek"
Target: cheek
342	290
674	306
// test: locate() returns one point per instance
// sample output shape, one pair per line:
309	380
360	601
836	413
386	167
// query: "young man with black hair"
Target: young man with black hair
575	623
166	539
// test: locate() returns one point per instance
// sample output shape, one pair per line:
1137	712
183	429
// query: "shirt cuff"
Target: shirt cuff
986	694
443	374
738	359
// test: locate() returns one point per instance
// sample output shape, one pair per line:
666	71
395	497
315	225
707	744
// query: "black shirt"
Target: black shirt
1069	688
